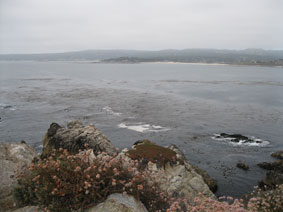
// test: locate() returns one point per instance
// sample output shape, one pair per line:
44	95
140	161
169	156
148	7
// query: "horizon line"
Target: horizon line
149	50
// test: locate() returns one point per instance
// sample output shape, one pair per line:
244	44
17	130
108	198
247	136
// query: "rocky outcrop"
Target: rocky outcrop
13	157
200	181
176	175
74	138
275	174
212	184
235	137
243	166
168	166
119	203
276	165
273	178
278	155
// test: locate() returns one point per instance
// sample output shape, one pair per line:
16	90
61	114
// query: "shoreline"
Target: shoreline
187	63
156	62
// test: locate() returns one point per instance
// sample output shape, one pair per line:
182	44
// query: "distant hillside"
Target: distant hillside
244	57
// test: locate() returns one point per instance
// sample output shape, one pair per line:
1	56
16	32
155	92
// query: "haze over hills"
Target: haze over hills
240	57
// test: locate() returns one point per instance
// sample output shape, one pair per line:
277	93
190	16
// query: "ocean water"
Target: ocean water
183	104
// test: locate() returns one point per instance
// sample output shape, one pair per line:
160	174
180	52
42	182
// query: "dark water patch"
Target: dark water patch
39	79
216	82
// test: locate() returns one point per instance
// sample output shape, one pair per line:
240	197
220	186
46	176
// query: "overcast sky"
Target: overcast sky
35	26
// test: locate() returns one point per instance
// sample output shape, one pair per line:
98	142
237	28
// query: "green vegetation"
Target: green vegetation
72	182
64	182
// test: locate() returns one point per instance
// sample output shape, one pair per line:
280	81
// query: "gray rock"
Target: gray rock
119	203
74	138
243	166
278	154
13	157
177	178
273	178
212	184
193	179
275	174
205	176
276	165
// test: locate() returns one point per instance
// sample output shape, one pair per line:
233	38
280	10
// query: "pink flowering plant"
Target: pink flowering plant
267	199
65	182
263	200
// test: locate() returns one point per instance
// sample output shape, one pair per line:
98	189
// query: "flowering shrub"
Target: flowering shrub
205	204
267	199
65	182
263	201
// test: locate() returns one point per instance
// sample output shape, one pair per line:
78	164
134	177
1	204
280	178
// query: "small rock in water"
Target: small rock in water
276	165
278	154
7	107
243	166
236	137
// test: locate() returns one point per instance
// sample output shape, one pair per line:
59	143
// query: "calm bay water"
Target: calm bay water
184	104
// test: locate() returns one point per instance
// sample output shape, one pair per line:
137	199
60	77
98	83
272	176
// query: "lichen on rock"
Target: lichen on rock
74	138
176	175
119	203
13	157
146	151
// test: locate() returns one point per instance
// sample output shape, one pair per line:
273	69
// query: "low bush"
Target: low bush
65	182
267	199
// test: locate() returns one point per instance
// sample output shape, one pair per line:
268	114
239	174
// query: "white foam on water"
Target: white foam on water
6	106
109	110
143	128
256	142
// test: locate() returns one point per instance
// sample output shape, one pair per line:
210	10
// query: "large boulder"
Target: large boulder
119	203
13	157
176	175
74	138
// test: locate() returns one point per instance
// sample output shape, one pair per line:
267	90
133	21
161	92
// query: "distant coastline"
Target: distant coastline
255	57
185	63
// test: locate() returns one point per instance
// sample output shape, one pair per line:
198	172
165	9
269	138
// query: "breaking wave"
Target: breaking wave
109	110
246	141
143	128
4	106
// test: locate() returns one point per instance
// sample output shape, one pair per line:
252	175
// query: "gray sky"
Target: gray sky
34	26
